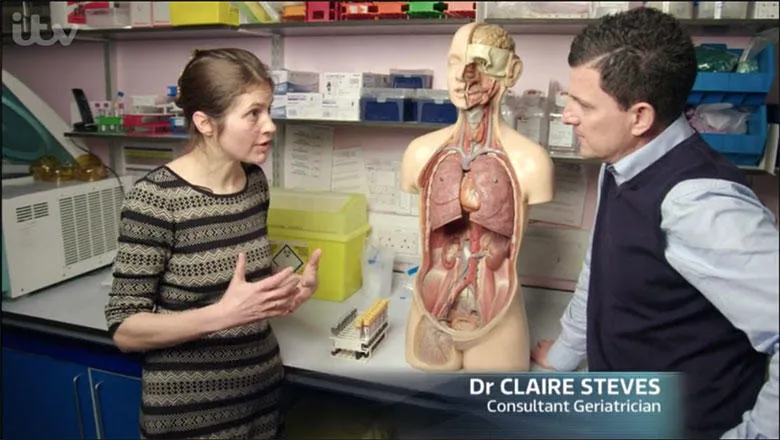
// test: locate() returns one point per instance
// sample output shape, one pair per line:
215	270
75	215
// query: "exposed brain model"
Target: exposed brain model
476	180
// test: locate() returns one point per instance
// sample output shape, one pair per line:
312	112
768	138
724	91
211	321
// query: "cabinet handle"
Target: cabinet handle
77	402
99	409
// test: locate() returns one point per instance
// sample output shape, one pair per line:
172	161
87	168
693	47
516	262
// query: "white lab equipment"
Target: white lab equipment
51	231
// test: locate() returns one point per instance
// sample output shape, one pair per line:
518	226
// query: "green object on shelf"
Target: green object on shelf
426	9
109	123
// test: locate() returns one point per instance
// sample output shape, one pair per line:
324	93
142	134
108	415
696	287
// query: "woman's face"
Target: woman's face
248	129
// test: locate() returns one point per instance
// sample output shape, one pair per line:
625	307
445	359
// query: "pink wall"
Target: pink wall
51	72
149	67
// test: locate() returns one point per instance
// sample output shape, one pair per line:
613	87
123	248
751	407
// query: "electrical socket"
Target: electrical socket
397	232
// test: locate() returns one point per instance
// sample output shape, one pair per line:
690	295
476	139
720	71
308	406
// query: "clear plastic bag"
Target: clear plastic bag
747	62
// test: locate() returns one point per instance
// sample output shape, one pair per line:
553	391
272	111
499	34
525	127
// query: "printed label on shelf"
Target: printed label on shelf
289	254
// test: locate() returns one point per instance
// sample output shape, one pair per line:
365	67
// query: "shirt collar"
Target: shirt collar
628	167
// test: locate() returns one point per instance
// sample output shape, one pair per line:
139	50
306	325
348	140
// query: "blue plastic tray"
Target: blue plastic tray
748	89
741	89
743	149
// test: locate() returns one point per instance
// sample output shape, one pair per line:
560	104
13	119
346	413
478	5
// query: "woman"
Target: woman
193	287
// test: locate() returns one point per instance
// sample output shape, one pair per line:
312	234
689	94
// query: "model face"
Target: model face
602	128
248	128
468	84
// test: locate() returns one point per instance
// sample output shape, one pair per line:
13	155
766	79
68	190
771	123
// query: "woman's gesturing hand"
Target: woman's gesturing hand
245	302
309	281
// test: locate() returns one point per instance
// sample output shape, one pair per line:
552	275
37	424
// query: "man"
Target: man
682	272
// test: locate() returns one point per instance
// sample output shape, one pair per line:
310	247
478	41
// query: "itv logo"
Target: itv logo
59	35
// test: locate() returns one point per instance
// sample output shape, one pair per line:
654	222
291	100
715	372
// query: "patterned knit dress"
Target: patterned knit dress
178	247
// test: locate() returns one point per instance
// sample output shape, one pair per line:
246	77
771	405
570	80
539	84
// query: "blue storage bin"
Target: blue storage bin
375	109
743	149
436	111
392	105
411	81
743	89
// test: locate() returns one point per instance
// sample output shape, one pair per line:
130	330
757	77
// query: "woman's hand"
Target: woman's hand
245	302
308	282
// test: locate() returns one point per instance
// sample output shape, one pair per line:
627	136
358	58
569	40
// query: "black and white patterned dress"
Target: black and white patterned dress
177	251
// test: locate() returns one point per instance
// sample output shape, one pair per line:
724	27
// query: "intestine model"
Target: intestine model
358	335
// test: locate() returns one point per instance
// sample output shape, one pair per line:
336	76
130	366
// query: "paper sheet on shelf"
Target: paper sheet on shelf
349	171
554	253
568	206
308	153
384	187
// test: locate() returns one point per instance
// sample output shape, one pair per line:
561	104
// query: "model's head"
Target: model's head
481	64
630	76
226	97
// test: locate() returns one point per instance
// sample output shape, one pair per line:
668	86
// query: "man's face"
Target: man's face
602	128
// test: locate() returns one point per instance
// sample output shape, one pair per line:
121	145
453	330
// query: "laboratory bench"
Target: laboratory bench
59	364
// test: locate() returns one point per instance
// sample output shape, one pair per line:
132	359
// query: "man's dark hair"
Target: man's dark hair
643	55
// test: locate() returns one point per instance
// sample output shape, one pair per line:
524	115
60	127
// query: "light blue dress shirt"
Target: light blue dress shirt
723	241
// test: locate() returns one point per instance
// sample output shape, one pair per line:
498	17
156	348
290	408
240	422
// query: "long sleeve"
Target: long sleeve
144	245
725	243
570	348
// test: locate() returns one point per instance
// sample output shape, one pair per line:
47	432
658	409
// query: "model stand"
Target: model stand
356	336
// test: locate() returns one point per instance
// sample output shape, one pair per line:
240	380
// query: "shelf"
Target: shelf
142	34
444	26
178	138
367	124
127	136
571	27
184	137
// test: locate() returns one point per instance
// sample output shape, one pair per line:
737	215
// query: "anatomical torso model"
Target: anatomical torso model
475	180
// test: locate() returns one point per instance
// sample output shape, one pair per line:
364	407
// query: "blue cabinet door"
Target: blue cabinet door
45	398
117	404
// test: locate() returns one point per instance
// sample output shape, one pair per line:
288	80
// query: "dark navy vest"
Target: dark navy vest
644	316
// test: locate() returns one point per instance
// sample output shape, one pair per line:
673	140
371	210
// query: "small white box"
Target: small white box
600	9
115	14
304	106
338	108
765	10
140	14
291	81
351	84
676	9
68	15
722	10
161	13
279	107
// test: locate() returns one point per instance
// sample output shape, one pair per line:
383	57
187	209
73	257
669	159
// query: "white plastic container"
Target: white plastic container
377	266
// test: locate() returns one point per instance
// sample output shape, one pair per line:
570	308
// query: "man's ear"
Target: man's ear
642	118
203	124
514	70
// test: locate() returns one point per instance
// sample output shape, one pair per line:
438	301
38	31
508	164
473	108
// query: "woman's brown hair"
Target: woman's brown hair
214	78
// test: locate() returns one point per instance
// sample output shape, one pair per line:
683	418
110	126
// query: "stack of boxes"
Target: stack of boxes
400	96
331	96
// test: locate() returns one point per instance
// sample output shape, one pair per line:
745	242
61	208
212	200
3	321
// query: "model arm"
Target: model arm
411	165
145	241
540	167
725	243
